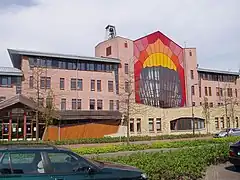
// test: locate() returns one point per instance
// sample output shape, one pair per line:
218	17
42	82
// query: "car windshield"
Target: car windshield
95	162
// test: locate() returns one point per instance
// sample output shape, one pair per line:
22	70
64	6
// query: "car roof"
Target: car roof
31	147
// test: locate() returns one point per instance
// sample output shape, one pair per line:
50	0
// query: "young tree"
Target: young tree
206	112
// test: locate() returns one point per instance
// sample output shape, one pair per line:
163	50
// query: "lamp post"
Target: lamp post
193	119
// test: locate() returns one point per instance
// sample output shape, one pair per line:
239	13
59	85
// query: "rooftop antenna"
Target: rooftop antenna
110	32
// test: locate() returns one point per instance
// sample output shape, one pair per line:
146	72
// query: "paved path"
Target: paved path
222	172
135	142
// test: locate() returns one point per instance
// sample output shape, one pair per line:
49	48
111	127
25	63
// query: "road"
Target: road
222	172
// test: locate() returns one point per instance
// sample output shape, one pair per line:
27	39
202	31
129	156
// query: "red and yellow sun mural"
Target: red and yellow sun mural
159	72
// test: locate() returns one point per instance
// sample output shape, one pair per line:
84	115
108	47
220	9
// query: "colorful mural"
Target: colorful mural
159	72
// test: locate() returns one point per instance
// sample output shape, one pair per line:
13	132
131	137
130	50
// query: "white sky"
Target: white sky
76	26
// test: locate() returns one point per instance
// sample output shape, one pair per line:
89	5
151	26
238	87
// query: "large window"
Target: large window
31	82
80	84
229	92
99	104
206	91
74	104
151	125
62	83
110	86
126	87
139	125
209	91
99	86
126	68
216	123
111	105
45	82
117	104
158	124
131	125
73	84
193	90
192	75
63	104
92	104
108	51
92	85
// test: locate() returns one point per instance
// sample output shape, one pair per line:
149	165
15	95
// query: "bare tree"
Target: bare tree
40	89
127	101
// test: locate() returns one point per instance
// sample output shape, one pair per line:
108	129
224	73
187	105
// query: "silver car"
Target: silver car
228	132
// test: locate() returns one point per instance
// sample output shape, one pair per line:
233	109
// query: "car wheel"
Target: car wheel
237	167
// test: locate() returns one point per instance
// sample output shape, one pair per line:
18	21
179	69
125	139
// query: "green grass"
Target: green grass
155	145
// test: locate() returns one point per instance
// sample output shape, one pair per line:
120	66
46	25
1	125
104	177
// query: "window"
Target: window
49	102
62	83
126	86
210	104
108	51
73	84
99	104
63	104
236	93
19	159
2	98
221	92
80	84
6	81
31	82
150	125
192	75
92	85
229	92
217	91
206	91
92	104
228	122
99	86
222	123
193	90
117	104
219	104
138	125
193	104
158	124
216	123
126	68
45	82
200	91
126	45
200	103
111	104
190	53
209	91
110	86
79	104
74	104
237	122
131	125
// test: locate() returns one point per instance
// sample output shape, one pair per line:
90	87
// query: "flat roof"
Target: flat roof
10	71
218	71
15	56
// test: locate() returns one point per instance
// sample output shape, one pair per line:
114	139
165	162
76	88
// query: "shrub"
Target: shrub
183	164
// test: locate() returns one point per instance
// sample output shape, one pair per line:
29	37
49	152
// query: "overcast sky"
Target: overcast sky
76	26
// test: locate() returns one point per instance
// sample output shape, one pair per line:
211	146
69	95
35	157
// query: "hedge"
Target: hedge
155	145
110	139
184	164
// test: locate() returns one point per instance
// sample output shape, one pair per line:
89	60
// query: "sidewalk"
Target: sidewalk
135	142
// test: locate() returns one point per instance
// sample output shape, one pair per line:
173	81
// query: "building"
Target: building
160	79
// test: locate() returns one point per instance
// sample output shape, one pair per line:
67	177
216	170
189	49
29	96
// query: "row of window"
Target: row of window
220	123
219	91
216	77
209	104
93	104
152	123
71	64
76	84
9	81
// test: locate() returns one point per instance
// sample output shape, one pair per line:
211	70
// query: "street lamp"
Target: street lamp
193	119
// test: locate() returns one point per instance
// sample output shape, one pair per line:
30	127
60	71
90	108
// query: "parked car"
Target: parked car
45	162
234	155
228	132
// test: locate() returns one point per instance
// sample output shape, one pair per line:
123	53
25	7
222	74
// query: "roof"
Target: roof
85	114
26	146
218	71
10	71
15	56
18	99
